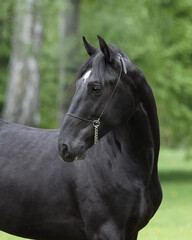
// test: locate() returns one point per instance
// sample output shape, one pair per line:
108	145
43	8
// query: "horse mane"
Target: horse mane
149	103
148	100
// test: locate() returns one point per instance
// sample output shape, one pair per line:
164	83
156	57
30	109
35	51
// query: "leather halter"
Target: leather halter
96	123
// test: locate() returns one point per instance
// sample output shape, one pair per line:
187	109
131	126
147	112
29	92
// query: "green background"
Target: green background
156	35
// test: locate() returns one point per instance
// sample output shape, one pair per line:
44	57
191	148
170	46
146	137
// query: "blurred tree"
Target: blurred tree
155	34
22	95
172	71
68	50
6	19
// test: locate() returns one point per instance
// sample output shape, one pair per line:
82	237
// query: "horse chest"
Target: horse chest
107	195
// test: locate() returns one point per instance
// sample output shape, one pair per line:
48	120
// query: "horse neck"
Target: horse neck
136	139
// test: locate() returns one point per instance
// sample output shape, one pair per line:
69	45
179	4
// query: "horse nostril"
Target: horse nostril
64	153
64	149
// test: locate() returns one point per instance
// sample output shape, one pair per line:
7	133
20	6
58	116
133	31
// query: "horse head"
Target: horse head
106	97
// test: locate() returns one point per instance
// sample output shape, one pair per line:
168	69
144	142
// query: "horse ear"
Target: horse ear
104	47
107	51
91	50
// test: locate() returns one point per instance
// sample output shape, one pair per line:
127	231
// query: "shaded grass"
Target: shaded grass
175	177
173	220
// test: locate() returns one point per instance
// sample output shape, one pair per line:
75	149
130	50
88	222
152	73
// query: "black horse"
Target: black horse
116	187
115	190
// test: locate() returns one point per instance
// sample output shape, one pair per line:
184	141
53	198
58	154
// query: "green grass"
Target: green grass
173	221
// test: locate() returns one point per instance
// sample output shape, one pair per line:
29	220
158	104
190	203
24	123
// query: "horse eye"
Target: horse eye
96	89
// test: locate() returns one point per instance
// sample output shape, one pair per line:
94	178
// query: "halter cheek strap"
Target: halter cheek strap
96	123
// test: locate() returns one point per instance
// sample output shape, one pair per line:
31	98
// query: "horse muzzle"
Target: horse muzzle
69	155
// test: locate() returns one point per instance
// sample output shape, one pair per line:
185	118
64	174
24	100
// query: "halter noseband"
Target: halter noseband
96	123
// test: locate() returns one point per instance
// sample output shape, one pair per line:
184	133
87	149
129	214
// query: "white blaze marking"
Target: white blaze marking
86	76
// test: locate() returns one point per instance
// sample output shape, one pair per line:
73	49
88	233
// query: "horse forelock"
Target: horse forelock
102	71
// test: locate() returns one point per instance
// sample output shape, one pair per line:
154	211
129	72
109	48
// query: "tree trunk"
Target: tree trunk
22	94
68	48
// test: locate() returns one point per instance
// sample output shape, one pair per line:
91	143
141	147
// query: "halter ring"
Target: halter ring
96	123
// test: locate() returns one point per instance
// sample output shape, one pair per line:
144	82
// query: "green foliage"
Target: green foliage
6	13
156	35
49	61
174	79
49	64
